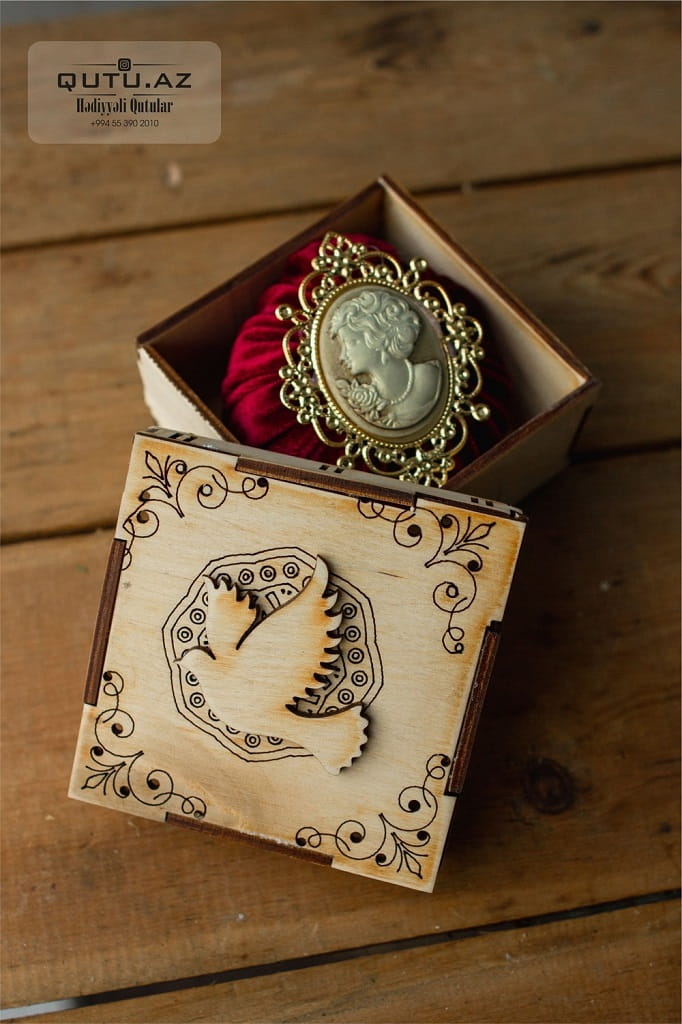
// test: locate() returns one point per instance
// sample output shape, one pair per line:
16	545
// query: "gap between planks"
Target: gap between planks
319	208
593	89
339	956
625	451
107	525
595	259
584	700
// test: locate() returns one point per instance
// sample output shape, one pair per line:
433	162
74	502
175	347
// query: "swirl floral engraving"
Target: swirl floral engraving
402	845
124	775
171	481
457	543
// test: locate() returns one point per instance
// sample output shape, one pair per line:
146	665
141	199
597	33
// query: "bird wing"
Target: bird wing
296	642
229	615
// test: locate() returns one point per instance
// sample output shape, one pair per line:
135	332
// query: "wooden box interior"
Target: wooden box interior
182	360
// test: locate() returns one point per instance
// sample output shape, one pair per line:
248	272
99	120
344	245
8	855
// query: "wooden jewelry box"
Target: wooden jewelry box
182	360
293	654
297	653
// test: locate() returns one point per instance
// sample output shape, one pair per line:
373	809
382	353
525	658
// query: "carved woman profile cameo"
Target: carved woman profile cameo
382	359
380	363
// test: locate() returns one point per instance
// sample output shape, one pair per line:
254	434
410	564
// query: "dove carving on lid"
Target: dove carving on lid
253	670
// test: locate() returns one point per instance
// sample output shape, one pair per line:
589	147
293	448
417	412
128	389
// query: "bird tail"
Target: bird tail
336	739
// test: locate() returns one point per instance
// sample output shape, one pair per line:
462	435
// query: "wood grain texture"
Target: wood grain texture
365	490
596	258
570	799
597	261
572	794
240	654
211	650
565	972
182	361
437	94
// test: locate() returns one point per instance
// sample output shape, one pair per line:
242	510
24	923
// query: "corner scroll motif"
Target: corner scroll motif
124	775
458	543
170	481
401	845
381	363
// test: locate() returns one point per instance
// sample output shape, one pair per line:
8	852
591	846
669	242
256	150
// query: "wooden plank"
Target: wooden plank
616	967
597	260
71	380
596	257
436	94
571	797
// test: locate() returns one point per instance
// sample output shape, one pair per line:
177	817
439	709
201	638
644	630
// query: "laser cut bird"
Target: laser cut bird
253	668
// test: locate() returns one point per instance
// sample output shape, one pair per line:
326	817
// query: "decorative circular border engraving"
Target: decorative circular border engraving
272	578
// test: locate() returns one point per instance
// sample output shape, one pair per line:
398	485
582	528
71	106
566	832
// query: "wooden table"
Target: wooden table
544	136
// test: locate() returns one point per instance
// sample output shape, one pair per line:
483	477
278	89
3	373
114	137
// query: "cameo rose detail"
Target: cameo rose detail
363	399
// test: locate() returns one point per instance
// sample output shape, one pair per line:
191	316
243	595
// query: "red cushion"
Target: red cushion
252	407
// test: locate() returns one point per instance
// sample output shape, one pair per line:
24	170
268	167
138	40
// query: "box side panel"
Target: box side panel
169	406
543	371
531	455
472	715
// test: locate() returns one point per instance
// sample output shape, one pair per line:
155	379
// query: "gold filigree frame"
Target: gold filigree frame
423	452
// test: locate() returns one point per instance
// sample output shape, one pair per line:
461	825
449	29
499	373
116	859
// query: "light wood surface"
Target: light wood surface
242	658
218	619
566	115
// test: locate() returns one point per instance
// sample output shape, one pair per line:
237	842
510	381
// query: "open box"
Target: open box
251	597
182	360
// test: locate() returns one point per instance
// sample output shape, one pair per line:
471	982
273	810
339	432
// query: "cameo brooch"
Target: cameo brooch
381	363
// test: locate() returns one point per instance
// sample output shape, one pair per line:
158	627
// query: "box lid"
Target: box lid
293	654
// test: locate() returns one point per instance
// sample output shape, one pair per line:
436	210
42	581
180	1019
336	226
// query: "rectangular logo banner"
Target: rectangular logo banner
124	92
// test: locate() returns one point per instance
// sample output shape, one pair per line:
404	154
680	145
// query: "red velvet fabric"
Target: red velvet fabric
250	390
